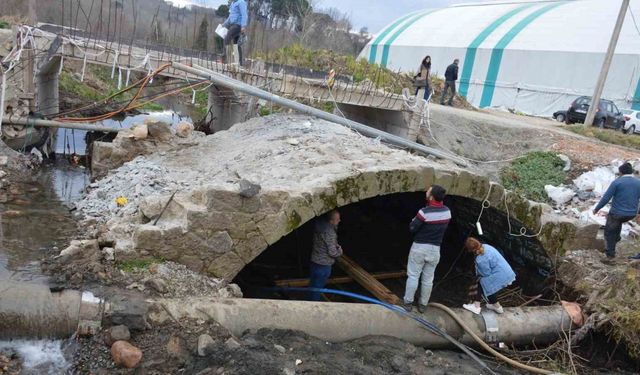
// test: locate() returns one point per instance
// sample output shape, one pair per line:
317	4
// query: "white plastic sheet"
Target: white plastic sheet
558	194
597	180
221	31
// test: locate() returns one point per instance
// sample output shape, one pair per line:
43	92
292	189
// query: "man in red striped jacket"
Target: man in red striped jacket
428	229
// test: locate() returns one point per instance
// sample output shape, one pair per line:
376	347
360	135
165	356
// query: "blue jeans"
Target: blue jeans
319	276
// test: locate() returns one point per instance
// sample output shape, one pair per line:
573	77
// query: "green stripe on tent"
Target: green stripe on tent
387	45
470	56
635	103
374	45
496	54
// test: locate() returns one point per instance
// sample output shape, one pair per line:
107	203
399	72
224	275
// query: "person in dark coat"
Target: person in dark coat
324	252
450	78
624	194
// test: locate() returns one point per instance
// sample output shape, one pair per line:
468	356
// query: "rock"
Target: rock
204	341
125	355
130	310
157	284
4	160
399	365
558	194
82	247
139	132
184	130
232	343
288	371
584	195
108	254
116	333
280	348
248	189
567	162
159	130
176	348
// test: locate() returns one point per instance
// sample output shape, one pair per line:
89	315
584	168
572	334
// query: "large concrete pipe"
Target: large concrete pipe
338	322
33	311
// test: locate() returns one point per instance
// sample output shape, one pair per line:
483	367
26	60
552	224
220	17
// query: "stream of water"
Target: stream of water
35	221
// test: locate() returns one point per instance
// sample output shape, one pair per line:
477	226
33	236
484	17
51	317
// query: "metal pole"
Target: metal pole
361	128
38	123
595	100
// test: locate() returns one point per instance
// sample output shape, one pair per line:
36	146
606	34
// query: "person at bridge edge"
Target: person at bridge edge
428	228
493	274
624	194
450	78
324	252
236	24
421	80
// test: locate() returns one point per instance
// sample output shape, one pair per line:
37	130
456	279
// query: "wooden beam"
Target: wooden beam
301	283
367	281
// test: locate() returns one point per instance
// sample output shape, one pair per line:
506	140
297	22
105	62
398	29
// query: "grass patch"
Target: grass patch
135	264
71	85
4	25
325	60
529	174
152	107
606	135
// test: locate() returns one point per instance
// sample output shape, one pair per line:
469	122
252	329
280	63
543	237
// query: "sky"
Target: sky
373	14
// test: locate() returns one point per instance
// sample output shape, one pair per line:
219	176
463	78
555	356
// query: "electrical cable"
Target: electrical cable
485	346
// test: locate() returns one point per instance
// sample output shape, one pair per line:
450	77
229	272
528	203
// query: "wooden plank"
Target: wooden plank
367	281
301	283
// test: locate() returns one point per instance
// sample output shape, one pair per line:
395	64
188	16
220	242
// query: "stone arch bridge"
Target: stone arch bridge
218	221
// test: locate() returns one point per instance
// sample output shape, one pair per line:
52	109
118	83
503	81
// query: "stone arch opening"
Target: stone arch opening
374	233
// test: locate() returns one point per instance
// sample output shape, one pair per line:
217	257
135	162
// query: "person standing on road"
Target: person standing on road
422	78
450	78
428	229
324	252
236	24
624	194
493	273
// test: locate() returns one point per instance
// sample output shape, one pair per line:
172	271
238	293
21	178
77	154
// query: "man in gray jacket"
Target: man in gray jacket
324	252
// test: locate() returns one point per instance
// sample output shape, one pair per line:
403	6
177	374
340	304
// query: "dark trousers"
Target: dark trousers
319	275
476	294
447	85
233	35
427	91
612	230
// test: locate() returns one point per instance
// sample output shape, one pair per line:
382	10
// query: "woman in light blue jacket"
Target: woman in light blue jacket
494	274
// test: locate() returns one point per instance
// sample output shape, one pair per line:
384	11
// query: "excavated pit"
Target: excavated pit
374	233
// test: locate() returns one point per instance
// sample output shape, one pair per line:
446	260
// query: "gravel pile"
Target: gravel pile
173	280
134	180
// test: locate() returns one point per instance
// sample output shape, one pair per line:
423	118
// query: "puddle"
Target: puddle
35	219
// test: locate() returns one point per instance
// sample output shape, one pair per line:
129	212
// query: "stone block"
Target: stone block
273	227
226	266
160	131
445	179
251	247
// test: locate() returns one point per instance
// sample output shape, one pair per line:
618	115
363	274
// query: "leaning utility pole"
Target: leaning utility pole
595	100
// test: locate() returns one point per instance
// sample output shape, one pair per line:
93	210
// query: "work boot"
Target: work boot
495	307
635	257
422	308
408	307
609	260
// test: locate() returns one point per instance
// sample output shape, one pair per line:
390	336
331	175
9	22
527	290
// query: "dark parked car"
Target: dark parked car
560	116
607	115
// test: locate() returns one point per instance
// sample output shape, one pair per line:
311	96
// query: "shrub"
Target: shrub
529	174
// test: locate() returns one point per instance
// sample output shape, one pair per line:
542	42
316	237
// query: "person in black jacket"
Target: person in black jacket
450	78
428	228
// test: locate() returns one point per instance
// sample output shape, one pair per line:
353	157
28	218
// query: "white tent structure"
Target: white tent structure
533	56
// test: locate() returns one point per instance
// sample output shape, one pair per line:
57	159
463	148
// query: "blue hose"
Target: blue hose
423	322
